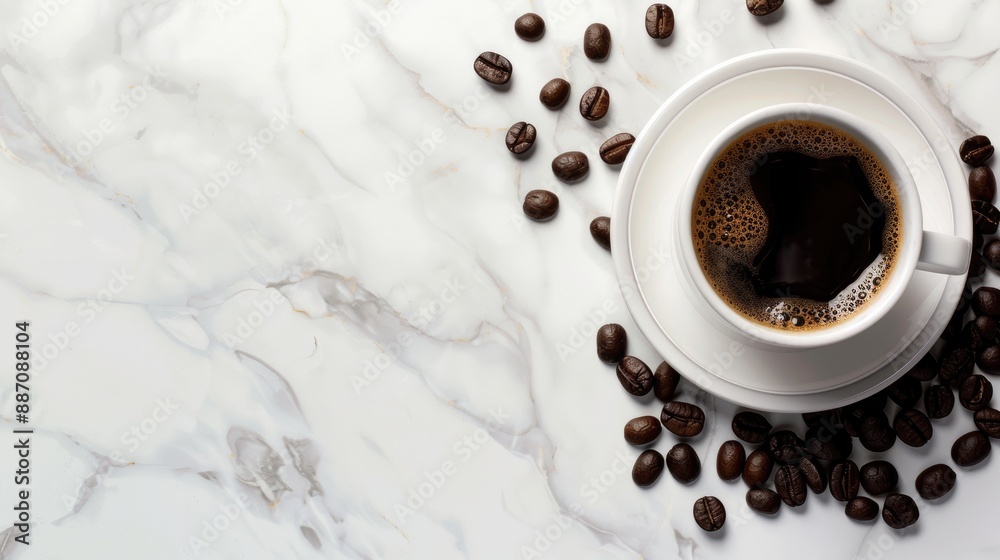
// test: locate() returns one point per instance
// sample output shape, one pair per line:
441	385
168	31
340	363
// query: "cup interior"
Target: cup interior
906	256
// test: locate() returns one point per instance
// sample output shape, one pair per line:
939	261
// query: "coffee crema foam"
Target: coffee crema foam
729	226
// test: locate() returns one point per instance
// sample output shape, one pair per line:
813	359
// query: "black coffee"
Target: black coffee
796	225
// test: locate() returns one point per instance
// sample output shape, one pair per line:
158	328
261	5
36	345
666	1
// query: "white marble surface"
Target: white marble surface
296	350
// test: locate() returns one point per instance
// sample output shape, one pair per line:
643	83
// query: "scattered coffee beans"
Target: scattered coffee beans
878	477
985	217
939	401
935	481
956	366
611	343
988	420
570	167
665	380
814	475
635	376
784	446
913	427
986	301
976	393
980	332
970	449
659	21
976	150
520	137
982	184
977	265
682	419
751	427
925	370
647	468
758	468
540	205
861	509
844	481
763	7
554	93
876	433
595	103
899	511
616	148
829	443
642	430
731	459
529	27
991	254
597	41
709	513
905	392
600	230
989	360
763	500
790	485
683	463
493	68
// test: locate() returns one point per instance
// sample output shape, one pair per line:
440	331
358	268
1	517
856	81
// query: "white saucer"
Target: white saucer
654	174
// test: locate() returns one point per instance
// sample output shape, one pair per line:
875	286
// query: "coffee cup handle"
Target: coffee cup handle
944	254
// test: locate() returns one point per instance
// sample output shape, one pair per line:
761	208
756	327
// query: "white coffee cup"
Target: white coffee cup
919	250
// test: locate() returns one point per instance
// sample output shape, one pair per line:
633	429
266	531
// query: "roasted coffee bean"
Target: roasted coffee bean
709	513
982	184
642	430
763	7
977	241
899	511
763	500
751	427
785	447
529	27
647	467
976	150
988	420
758	468
844	481
852	414
986	301
683	463
905	392
989	360
985	217
975	393
977	265
980	332
682	419
925	370
861	509
616	148
824	418
600	230
597	41
939	401
520	137
540	205
829	443
611	343
554	93
814	475
913	427
659	21
991	254
878	477
970	449
935	481
876	433
635	376
570	167
790	485
665	380
595	103
493	68
731	459
956	366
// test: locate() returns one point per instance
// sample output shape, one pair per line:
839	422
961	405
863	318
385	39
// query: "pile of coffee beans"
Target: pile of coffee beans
780	466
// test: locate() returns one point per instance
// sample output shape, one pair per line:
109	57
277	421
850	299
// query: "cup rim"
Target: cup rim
910	212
